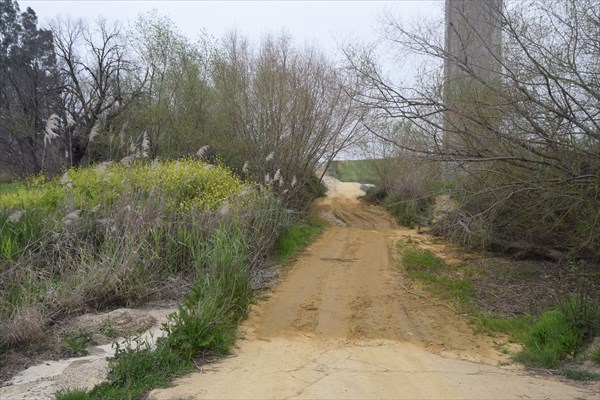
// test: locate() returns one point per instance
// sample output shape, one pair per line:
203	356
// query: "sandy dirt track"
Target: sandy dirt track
340	325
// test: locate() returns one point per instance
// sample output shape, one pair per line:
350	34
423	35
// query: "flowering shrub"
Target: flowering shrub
42	206
188	184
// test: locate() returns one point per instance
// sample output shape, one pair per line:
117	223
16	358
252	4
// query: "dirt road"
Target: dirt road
340	325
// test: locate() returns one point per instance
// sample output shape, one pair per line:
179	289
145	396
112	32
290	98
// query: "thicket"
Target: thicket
112	235
515	132
272	111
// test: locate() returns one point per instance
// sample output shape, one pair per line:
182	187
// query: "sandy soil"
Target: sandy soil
341	325
43	380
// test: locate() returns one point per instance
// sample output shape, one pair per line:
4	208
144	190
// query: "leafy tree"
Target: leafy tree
282	109
174	107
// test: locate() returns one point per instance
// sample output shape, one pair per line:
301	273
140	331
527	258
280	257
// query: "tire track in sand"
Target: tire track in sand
340	326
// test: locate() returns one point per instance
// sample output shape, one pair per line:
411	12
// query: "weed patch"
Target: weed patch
515	327
579	375
76	342
557	335
595	356
435	275
72	394
219	249
417	259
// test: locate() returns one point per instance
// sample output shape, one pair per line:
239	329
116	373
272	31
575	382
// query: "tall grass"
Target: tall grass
109	235
206	321
561	333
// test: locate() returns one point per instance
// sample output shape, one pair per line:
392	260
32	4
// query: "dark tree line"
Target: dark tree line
30	92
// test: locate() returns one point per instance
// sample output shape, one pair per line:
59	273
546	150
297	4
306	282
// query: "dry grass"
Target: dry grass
123	248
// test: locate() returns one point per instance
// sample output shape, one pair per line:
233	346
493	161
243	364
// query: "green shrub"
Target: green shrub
595	356
582	315
548	341
114	234
559	334
408	213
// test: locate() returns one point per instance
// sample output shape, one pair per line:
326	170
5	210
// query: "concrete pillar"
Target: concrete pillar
473	45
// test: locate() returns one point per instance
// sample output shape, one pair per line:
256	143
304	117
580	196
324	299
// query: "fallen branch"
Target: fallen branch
407	290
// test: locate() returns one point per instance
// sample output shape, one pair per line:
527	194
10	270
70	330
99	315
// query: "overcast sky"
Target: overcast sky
315	22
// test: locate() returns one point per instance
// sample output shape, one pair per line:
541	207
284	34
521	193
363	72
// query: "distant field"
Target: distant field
355	171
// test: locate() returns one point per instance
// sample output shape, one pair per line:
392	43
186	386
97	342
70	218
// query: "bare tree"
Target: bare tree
285	108
100	79
529	145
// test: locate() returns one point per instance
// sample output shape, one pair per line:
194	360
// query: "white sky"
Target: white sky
315	22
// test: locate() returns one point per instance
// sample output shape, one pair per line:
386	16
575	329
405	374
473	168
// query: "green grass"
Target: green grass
579	375
595	356
363	171
417	259
8	188
516	327
549	341
556	335
436	276
72	394
296	237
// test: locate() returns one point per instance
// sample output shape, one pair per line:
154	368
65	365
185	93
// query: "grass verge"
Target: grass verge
204	324
548	339
436	276
296	237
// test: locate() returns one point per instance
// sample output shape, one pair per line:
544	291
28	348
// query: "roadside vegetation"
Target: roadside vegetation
297	236
181	174
168	168
557	336
205	323
111	235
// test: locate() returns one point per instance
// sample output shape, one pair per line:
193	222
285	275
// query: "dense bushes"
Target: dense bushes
110	234
561	333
